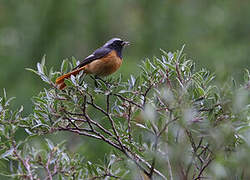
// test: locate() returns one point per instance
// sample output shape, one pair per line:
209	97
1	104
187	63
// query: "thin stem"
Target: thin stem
169	165
145	94
47	166
129	122
128	100
107	101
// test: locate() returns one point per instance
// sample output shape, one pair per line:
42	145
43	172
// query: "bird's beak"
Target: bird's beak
125	43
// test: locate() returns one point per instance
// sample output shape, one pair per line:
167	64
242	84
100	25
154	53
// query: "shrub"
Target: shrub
170	122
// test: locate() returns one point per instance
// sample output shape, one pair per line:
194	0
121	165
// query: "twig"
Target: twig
128	100
168	80
105	175
152	168
97	135
113	124
145	94
47	166
107	101
129	123
169	166
203	168
89	119
165	126
178	73
91	135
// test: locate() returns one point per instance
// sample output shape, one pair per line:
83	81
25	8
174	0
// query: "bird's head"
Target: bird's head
116	44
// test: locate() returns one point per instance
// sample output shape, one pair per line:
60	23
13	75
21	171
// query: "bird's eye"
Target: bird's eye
117	42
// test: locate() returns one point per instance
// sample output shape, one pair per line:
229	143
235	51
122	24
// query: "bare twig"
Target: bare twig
128	100
145	94
104	176
91	135
129	123
203	168
107	101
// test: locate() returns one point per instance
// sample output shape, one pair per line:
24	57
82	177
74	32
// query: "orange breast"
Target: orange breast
104	66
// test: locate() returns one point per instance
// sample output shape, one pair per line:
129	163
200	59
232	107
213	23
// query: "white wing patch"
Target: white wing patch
90	56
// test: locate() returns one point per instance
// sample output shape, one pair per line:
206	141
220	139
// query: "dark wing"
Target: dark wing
97	54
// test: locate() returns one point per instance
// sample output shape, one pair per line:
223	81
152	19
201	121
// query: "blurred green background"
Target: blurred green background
216	34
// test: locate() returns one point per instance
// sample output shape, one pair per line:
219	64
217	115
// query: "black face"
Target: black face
117	45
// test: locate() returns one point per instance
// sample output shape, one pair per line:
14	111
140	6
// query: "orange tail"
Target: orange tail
60	80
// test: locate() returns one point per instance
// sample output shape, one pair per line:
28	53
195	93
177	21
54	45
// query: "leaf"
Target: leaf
247	75
4	98
89	167
50	144
164	52
170	66
170	56
68	83
64	66
7	153
28	131
192	68
9	100
45	79
39	68
132	80
123	91
74	61
242	128
43	60
180	53
73	79
141	126
210	78
200	90
32	70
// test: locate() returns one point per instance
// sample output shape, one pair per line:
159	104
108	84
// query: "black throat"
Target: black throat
118	49
119	52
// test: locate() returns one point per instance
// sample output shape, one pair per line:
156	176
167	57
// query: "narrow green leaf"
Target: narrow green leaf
50	144
64	66
43	60
68	82
7	153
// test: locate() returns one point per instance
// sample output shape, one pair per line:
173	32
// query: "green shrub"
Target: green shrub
170	122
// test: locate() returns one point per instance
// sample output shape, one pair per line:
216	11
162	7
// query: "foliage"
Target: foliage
217	33
170	122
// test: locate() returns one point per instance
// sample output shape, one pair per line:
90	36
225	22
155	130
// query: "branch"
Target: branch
91	135
146	93
128	100
129	122
203	168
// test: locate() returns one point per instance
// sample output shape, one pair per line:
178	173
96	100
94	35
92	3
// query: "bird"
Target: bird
102	62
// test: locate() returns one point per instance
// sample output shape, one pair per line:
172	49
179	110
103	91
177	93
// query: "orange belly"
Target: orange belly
104	66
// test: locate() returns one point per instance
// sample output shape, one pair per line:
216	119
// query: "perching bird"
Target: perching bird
102	62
